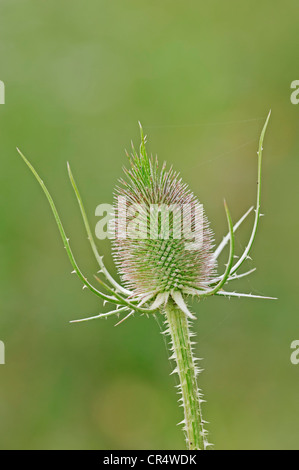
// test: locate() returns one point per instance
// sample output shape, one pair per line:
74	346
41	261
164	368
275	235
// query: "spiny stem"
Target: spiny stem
186	369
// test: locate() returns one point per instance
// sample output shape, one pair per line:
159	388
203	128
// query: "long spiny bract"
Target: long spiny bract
115	297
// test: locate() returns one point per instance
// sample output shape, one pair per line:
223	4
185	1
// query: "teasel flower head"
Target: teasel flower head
163	247
163	242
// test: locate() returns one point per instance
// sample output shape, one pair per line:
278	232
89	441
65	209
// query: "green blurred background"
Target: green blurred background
201	77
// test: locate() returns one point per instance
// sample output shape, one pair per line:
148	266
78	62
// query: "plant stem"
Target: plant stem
186	369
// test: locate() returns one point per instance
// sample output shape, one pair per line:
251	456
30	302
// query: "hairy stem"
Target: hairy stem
182	353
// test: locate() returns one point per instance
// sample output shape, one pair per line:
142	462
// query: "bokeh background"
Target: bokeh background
201	77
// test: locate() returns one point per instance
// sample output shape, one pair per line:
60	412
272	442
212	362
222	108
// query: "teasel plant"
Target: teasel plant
161	271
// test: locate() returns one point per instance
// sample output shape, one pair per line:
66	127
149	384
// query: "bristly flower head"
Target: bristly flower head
167	247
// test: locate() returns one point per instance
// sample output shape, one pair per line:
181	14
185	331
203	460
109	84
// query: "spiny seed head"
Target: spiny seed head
163	242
